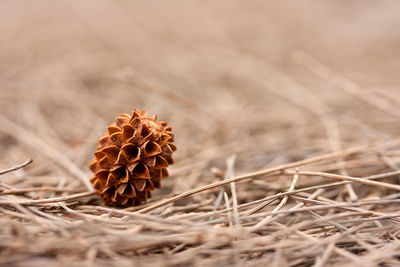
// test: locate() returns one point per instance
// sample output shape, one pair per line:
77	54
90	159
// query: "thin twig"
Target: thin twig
352	179
47	200
38	189
17	167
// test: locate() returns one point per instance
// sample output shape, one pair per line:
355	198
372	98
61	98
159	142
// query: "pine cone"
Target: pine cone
131	159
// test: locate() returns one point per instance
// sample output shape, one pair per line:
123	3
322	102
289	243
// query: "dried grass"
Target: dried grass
254	91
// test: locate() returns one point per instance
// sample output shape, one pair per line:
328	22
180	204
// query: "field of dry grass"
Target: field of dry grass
252	89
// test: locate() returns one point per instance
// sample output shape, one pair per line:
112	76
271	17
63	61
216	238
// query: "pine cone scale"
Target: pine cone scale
113	129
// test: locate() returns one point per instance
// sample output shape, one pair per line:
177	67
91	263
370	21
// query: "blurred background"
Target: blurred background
269	81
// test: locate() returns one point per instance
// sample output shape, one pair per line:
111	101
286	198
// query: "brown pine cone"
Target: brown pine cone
131	159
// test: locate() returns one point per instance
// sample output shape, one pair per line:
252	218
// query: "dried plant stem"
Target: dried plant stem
332	129
233	192
325	72
48	200
306	189
352	179
226	198
17	167
340	205
263	173
299	205
37	189
267	219
230	162
51	152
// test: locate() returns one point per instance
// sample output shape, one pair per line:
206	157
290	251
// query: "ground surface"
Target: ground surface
248	86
